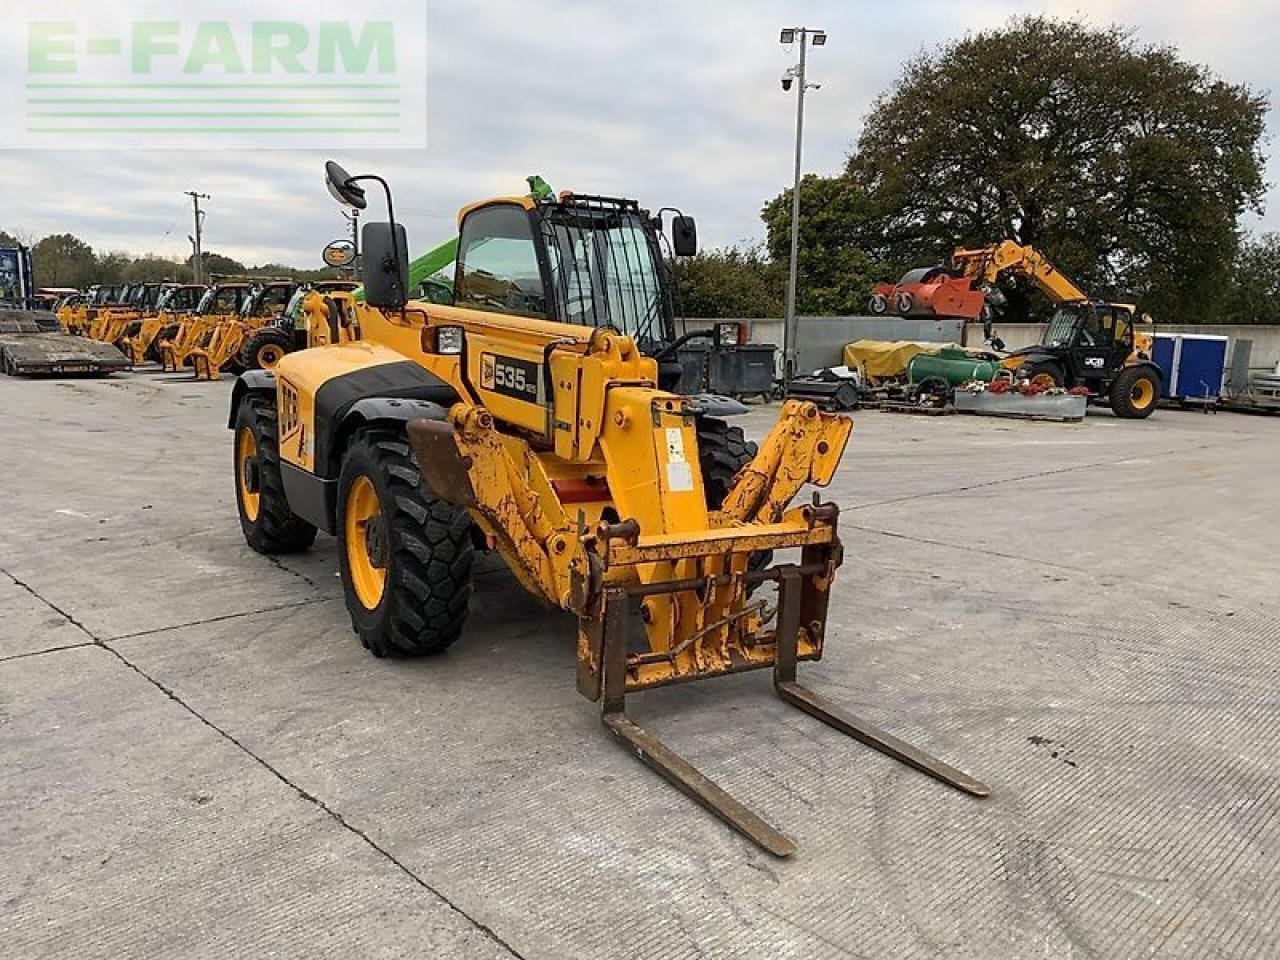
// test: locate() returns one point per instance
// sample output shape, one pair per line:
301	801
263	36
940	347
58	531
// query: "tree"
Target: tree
729	283
1254	296
1128	166
838	263
63	260
149	269
111	267
216	263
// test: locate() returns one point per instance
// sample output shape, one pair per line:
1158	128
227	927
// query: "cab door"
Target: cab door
1095	346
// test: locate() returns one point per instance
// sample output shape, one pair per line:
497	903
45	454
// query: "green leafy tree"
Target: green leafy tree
1254	296
733	282
838	260
216	263
63	260
156	270
111	267
1126	165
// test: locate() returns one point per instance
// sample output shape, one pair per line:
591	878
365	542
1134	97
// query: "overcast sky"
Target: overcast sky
674	103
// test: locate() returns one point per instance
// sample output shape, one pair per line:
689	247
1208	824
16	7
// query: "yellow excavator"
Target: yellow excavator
527	417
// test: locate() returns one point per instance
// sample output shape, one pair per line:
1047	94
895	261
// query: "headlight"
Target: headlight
450	340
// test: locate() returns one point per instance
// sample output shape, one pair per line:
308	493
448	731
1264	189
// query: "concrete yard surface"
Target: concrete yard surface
200	760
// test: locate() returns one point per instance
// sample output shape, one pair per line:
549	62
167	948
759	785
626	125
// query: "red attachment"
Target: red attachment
940	296
582	489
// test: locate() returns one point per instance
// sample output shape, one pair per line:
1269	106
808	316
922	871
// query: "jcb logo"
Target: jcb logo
288	409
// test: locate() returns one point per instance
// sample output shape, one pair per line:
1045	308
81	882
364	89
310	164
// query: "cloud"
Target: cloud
671	102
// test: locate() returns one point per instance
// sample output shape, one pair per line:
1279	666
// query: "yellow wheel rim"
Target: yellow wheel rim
269	356
246	466
366	542
1044	380
1143	394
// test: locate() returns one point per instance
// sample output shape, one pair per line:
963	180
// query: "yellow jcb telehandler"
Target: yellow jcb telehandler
221	302
221	347
528	417
320	313
142	340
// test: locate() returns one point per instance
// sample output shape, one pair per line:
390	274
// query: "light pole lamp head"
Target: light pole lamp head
818	38
788	36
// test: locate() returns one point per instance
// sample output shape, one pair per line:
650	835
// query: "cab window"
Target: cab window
498	263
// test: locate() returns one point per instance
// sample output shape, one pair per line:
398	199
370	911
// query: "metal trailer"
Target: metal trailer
30	345
1247	390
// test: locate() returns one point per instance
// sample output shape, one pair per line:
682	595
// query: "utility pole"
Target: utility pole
197	242
797	76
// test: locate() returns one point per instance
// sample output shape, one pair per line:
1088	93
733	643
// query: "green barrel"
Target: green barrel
952	365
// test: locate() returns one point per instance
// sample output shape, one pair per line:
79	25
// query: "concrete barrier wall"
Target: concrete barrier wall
821	340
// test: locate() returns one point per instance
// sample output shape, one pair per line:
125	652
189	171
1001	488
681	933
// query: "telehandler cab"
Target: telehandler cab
525	418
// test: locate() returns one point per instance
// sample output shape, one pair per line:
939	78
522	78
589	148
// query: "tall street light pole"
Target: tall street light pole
197	242
796	75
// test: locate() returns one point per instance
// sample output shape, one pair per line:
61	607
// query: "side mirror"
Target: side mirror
342	189
684	236
386	265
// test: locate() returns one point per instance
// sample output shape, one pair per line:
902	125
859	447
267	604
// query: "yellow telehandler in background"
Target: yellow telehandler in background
528	417
318	314
220	349
142	340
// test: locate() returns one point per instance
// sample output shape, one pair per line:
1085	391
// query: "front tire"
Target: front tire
265	348
1134	393
722	453
1044	374
269	526
405	555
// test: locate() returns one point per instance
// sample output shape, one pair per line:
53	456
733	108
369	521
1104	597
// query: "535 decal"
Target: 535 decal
509	376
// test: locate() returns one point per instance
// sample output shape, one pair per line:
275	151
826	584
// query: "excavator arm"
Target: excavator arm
985	265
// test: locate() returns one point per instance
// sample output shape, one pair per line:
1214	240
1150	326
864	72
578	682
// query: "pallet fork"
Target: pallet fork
801	612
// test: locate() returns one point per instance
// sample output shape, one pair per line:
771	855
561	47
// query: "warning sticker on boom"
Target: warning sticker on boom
509	376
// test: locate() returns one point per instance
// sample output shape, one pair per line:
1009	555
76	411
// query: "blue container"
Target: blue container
1192	365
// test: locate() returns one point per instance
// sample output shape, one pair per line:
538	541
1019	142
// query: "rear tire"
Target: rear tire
269	526
264	348
405	555
1135	392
